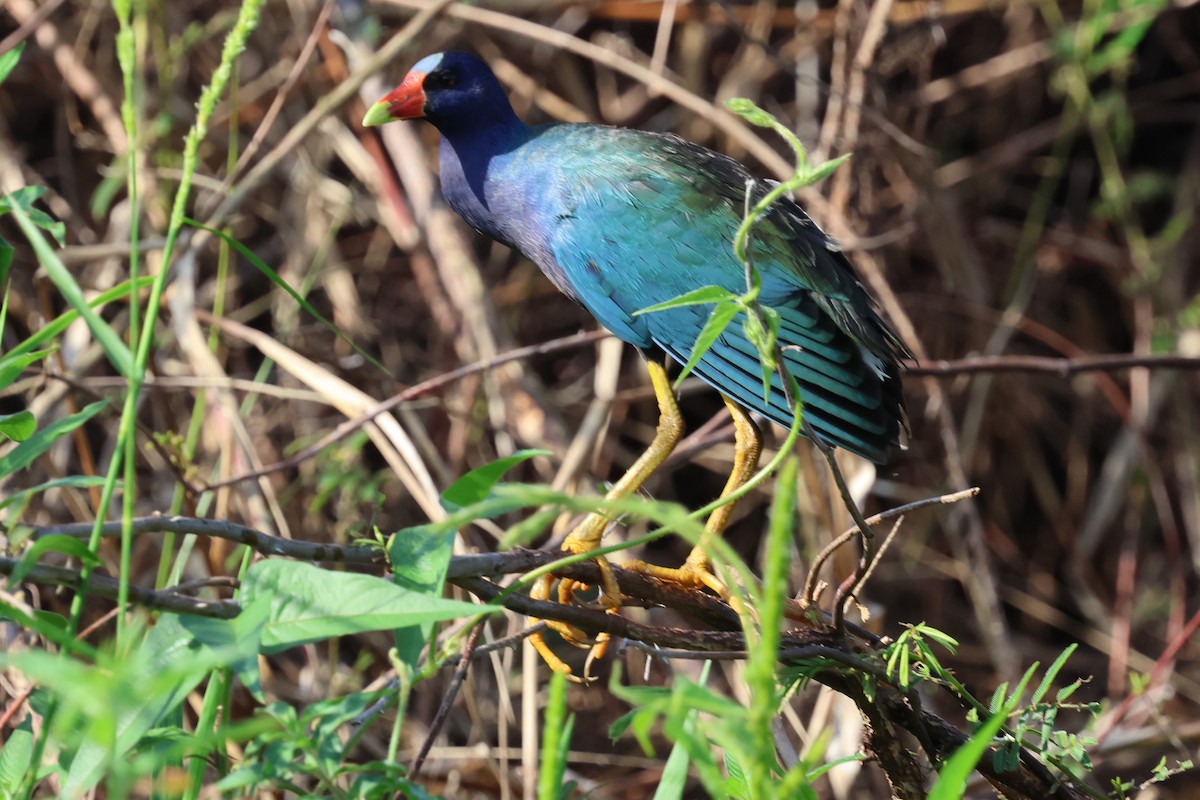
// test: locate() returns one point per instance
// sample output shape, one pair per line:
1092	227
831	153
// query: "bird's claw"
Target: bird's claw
692	574
610	600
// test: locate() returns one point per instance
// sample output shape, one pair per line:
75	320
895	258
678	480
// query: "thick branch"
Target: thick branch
102	586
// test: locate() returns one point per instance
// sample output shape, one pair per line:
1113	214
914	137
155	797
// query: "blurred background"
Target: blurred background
1023	187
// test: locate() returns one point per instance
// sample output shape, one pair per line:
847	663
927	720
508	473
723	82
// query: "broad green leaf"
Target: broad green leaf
475	486
9	59
140	689
24	197
16	758
18	427
238	639
24	454
278	280
67	545
718	320
696	297
308	604
419	558
324	718
45	624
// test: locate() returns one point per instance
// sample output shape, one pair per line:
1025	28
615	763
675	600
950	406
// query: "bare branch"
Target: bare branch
1063	367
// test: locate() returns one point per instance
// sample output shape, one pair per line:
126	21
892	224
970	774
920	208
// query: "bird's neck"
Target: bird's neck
468	151
481	136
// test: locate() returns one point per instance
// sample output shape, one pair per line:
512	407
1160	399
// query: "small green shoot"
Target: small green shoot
760	323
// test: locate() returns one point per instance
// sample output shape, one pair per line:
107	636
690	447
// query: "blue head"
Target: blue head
456	92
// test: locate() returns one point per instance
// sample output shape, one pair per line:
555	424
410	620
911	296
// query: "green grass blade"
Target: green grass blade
278	280
952	777
118	354
24	454
556	740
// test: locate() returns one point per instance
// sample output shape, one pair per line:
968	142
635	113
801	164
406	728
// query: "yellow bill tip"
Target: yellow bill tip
377	114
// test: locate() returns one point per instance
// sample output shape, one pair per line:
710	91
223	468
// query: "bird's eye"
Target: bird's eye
441	80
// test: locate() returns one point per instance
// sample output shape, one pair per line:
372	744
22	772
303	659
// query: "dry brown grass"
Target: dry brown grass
973	207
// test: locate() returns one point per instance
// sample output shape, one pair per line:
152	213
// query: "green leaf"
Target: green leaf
419	558
696	297
999	697
106	192
9	59
822	171
749	111
238	639
722	314
6	259
24	198
69	482
114	347
1052	674
738	785
140	689
763	337
324	718
944	639
49	331
556	740
24	454
67	545
308	604
13	364
16	758
952	777
476	485
673	780
19	426
278	280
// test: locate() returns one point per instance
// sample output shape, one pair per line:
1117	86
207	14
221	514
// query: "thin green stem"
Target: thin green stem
235	43
763	653
130	74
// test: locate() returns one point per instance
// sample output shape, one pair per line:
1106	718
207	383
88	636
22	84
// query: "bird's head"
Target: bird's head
445	88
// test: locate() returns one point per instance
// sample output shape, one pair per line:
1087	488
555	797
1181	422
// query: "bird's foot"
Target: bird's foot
582	540
695	573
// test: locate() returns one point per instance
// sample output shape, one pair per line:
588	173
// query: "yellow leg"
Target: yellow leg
587	535
696	569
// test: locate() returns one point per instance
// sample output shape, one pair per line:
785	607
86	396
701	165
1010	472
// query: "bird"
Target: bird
620	220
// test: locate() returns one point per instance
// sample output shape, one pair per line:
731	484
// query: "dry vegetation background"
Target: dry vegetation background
1001	202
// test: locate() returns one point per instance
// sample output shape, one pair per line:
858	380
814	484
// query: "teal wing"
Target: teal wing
649	217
